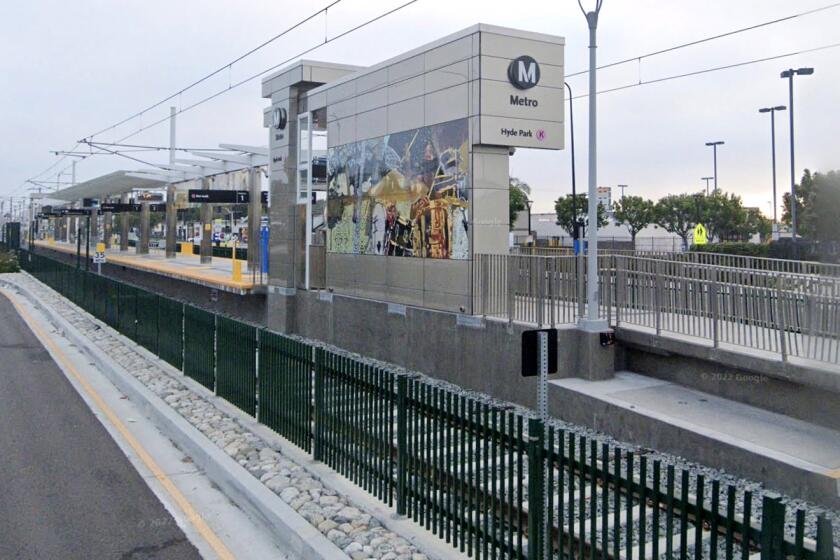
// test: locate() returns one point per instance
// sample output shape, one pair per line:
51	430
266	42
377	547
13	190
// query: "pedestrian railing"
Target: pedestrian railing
488	478
788	314
741	262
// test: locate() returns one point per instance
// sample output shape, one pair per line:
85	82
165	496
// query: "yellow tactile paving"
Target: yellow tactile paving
188	271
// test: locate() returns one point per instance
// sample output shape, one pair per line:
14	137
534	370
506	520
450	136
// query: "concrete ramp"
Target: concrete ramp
785	453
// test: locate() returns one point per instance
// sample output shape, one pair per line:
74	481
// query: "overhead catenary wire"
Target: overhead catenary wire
270	69
713	69
222	68
230	86
639	58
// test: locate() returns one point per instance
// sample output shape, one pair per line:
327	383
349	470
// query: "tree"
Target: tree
804	205
566	216
817	205
826	203
634	212
519	191
724	217
756	222
677	214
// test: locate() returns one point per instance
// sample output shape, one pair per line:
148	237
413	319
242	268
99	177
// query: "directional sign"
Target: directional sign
157	207
76	211
700	235
217	196
117	207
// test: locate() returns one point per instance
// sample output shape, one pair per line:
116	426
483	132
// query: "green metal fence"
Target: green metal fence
199	345
127	310
171	332
354	421
285	387
236	370
148	308
491	480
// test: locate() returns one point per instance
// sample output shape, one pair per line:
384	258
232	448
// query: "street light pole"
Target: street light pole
789	74
714	146
772	111
707	179
592	322
622	187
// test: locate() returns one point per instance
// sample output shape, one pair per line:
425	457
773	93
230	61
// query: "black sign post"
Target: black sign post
539	357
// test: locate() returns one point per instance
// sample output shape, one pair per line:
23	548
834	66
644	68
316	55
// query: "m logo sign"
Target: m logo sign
524	72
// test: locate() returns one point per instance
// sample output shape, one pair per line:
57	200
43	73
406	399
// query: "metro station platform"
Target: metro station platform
218	274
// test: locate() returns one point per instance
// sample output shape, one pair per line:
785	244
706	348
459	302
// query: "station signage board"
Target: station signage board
119	207
522	92
217	196
223	196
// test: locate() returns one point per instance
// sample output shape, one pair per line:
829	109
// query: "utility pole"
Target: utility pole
707	179
171	212
592	322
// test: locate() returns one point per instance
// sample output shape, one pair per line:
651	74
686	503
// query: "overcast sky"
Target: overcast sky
72	68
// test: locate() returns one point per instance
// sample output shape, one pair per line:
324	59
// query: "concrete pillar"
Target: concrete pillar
206	226
254	217
595	359
67	228
107	228
124	225
94	228
171	221
145	219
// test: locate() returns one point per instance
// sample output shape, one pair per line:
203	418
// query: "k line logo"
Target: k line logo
524	72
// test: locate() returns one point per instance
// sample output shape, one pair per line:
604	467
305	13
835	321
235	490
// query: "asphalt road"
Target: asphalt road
66	489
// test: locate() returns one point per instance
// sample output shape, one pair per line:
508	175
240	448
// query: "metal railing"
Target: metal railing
785	266
789	314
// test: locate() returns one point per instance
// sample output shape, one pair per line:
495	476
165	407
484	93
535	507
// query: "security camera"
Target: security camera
511	151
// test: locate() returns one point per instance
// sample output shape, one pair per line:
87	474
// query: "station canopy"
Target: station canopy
112	184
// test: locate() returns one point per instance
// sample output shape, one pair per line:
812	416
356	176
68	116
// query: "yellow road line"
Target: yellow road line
191	514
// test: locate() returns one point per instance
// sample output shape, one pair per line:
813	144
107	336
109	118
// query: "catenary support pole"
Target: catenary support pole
592	322
171	212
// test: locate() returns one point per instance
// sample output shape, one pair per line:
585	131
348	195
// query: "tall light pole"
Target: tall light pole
714	146
789	74
592	322
622	187
772	111
707	179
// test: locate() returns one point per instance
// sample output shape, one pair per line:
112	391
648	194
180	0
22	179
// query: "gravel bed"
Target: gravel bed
345	524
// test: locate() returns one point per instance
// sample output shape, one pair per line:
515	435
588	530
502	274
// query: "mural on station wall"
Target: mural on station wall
404	194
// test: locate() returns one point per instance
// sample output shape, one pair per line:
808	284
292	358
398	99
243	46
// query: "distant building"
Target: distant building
613	236
604	197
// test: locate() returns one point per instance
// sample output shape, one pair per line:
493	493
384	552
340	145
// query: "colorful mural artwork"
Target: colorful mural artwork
405	194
